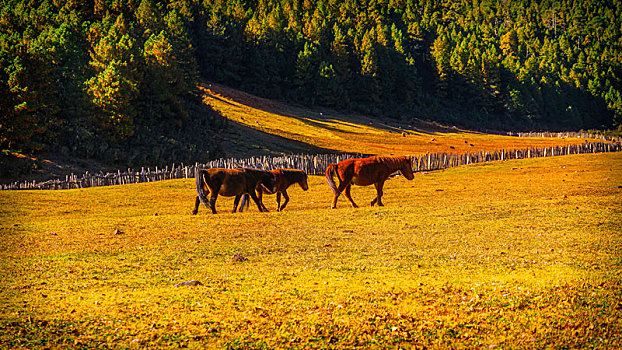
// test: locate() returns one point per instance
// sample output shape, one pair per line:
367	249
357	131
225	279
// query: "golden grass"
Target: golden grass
517	254
334	131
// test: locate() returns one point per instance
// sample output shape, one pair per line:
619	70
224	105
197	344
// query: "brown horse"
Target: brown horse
228	183
364	172
283	179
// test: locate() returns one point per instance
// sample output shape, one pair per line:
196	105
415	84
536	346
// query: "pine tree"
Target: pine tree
441	52
114	88
306	78
509	44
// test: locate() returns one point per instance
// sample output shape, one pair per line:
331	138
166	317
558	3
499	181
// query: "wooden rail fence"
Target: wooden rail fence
312	164
568	134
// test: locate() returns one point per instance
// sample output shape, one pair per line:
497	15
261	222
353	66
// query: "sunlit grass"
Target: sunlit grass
508	254
334	131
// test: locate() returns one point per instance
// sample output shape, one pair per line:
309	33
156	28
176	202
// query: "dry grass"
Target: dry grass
517	254
333	131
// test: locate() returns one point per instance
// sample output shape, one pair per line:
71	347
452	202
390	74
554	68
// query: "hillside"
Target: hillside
251	126
264	126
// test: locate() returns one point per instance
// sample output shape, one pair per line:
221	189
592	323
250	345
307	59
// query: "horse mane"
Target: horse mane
294	175
393	162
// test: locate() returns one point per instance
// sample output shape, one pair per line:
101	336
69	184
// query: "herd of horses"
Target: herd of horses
248	182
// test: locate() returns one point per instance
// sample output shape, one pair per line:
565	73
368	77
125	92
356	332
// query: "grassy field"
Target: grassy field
516	254
274	125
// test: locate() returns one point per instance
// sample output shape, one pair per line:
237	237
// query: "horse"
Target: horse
228	183
283	179
364	172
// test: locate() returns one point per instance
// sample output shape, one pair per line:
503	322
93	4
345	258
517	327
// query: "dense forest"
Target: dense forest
117	79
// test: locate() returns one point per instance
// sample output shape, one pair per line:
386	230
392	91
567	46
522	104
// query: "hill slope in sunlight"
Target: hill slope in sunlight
252	126
258	125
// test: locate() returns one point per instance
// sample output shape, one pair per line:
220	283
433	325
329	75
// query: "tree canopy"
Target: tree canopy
89	77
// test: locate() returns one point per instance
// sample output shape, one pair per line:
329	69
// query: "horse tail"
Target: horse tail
199	176
331	170
246	201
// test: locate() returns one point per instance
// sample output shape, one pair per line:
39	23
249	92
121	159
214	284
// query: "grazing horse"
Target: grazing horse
364	172
283	179
230	182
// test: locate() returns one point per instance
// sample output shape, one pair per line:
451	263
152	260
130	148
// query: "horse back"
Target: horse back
364	171
257	177
226	182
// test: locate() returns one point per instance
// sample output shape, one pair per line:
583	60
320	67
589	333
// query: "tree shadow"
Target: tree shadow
322	117
237	140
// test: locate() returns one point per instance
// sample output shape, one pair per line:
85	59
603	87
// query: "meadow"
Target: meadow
514	254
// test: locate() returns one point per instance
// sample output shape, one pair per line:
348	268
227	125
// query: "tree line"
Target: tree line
88	77
113	80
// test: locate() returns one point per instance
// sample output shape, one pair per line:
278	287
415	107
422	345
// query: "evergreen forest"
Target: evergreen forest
117	80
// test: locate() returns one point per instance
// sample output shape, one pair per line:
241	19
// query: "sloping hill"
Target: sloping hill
258	125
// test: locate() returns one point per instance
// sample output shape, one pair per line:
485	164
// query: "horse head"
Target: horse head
303	183
407	169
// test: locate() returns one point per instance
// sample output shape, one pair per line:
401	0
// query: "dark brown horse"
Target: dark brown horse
364	172
283	179
228	183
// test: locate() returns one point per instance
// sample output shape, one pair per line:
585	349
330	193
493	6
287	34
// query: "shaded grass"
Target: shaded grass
509	254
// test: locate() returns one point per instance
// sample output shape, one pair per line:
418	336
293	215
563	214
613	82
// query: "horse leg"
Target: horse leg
349	196
377	196
196	206
259	204
260	198
278	201
236	201
335	200
379	193
244	202
286	199
197	202
342	186
212	202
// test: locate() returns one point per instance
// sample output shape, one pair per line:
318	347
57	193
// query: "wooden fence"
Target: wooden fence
583	135
312	164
